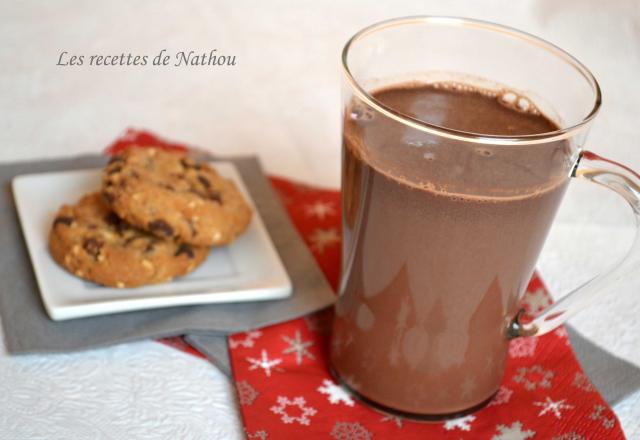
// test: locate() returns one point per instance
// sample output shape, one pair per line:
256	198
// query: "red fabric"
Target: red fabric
286	394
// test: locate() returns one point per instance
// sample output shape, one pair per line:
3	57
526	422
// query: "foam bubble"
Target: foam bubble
524	104
416	143
508	97
483	151
463	87
361	113
517	102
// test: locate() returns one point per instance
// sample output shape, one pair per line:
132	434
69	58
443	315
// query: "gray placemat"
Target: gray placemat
27	328
613	377
214	347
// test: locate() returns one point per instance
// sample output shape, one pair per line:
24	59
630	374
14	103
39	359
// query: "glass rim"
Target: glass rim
439	130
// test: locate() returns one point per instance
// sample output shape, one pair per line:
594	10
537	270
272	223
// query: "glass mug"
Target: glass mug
441	227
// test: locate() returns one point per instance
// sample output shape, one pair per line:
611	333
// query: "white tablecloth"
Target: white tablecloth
280	101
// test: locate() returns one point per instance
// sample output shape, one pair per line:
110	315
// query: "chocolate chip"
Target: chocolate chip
210	194
134	174
107	196
215	196
92	246
185	249
189	163
115	159
192	228
113	220
198	193
63	220
151	246
167	186
161	227
204	181
114	170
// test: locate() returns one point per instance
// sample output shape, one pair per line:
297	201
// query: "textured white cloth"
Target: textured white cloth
142	390
280	101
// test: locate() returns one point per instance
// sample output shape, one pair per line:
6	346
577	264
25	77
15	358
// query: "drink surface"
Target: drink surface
440	240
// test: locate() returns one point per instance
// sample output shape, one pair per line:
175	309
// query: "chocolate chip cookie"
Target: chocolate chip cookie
172	196
92	242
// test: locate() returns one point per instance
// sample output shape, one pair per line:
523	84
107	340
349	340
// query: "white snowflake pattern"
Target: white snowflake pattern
335	393
554	407
350	431
523	347
395	419
562	333
322	238
534	377
598	414
247	341
320	209
513	432
260	435
246	393
264	363
537	300
319	322
300	403
298	347
581	381
570	436
502	396
313	322
462	423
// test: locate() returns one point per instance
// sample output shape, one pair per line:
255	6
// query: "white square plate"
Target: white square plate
249	269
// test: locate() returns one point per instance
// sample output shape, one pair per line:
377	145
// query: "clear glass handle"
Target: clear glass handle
625	182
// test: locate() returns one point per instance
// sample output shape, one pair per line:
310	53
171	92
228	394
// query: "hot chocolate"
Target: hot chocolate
439	243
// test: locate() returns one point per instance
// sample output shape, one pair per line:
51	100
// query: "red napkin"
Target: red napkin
285	390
